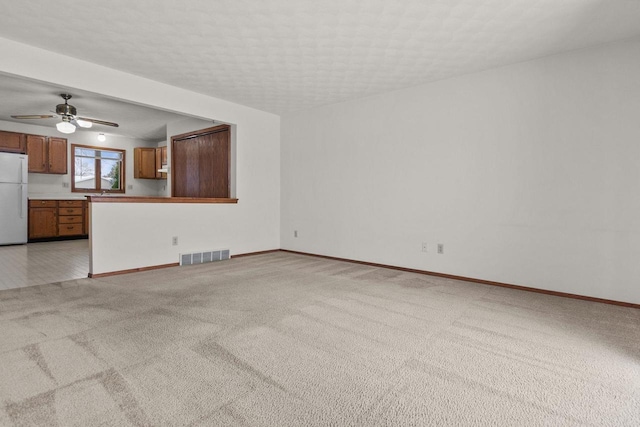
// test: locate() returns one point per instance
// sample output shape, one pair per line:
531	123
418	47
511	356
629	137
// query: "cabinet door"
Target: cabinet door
163	161
37	152
57	155
144	162
43	222
12	142
200	163
185	168
158	162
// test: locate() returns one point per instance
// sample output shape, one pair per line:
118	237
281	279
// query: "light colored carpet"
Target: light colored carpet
289	340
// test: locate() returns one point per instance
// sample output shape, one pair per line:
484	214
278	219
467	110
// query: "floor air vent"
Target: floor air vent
202	257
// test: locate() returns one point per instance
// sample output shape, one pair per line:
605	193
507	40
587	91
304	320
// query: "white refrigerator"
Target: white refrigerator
13	198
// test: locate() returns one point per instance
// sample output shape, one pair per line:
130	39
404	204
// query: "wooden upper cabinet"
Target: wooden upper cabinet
163	156
13	142
47	154
161	162
57	155
147	161
158	162
37	151
144	162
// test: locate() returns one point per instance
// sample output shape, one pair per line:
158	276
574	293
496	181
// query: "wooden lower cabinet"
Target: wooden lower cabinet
43	219
70	221
56	218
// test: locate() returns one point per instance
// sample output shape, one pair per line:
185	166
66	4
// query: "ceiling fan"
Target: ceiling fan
68	114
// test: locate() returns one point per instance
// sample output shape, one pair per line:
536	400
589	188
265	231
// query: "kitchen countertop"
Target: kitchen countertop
62	196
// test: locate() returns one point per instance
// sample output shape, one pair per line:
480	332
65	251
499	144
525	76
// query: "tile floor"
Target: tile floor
45	262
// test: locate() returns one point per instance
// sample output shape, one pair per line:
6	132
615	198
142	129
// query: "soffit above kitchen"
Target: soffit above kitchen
281	56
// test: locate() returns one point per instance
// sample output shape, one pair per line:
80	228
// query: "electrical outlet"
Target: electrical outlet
65	184
440	248
425	247
130	187
174	241
295	233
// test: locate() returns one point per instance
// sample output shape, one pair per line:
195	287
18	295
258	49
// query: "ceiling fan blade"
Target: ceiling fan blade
34	116
98	122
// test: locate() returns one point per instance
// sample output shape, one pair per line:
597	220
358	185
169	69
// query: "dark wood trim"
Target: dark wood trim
156	267
473	280
256	253
153	199
197	133
132	270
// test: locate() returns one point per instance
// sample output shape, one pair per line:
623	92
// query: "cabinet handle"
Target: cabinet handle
70	227
69	210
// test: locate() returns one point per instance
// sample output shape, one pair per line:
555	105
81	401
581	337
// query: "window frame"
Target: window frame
97	170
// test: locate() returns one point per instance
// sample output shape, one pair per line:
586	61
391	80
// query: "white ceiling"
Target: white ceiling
286	55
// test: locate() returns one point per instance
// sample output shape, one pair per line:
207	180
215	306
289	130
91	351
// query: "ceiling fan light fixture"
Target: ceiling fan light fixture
101	137
65	127
68	114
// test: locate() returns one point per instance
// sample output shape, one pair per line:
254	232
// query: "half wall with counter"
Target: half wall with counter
139	233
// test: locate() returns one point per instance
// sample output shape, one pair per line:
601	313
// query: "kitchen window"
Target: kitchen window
97	169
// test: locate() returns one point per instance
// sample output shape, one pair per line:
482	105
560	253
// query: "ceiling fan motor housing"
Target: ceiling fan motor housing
65	110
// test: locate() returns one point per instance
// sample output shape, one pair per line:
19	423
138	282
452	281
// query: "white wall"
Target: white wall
528	174
53	184
145	232
255	220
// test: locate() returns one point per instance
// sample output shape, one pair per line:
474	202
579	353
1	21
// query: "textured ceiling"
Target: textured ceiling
285	55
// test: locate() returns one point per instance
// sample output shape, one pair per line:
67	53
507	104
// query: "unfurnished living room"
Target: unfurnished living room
305	213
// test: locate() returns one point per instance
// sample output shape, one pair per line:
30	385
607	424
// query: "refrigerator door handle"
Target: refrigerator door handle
23	170
21	201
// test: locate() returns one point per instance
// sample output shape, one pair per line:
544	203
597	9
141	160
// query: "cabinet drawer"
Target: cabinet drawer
69	229
70	203
42	203
70	211
70	219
